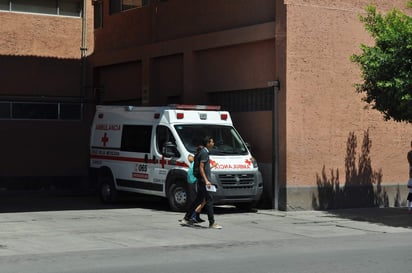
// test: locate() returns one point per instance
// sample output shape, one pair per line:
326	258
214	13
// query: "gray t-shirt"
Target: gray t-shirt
204	157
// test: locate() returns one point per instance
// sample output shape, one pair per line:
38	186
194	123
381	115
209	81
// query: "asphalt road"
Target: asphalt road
76	234
367	254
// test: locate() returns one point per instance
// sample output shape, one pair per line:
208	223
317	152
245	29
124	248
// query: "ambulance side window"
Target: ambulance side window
136	138
165	136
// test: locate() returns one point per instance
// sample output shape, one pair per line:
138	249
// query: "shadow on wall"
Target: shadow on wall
363	184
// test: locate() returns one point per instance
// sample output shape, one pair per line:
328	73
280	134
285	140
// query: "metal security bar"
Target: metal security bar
41	111
250	100
71	8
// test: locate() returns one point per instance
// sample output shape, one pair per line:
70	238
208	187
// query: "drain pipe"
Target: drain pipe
275	143
83	50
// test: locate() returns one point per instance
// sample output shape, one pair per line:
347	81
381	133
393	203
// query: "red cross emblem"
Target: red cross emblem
105	139
248	162
163	162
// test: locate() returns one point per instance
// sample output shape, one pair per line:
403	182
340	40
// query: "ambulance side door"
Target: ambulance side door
166	153
137	167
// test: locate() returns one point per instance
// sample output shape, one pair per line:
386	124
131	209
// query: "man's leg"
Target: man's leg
209	209
192	207
198	200
192	192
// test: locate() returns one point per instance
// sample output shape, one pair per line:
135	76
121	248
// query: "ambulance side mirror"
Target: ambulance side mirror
170	150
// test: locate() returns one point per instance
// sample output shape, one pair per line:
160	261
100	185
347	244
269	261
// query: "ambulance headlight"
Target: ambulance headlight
254	162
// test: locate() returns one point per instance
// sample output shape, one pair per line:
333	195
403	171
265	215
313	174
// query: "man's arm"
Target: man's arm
203	174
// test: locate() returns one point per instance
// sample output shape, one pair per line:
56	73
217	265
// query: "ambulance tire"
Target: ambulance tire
107	191
178	196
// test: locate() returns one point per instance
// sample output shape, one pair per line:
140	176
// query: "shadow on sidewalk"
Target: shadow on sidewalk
395	217
57	201
25	201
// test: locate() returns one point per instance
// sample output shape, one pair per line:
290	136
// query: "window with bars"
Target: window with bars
52	7
98	14
250	100
122	5
41	111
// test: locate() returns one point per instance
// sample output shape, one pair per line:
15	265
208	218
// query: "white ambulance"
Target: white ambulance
145	150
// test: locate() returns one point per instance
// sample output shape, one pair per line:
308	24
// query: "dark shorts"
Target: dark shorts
409	197
201	190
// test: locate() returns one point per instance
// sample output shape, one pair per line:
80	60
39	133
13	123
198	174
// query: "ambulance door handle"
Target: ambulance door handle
146	158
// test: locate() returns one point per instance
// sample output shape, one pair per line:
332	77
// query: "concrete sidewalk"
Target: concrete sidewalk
56	231
49	201
392	217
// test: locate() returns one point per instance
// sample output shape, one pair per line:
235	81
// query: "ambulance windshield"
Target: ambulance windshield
227	140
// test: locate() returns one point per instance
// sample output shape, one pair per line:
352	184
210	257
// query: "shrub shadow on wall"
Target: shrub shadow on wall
362	183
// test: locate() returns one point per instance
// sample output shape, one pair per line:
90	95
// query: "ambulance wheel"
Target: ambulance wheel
178	197
107	190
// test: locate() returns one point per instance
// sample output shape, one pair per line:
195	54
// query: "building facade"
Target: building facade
214	52
43	109
328	149
280	66
339	152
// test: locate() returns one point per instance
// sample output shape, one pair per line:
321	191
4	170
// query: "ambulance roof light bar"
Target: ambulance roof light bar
195	107
130	108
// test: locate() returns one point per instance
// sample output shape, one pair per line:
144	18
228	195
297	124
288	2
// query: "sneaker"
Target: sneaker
215	226
186	222
196	218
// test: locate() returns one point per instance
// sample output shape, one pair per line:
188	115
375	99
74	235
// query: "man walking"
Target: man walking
204	176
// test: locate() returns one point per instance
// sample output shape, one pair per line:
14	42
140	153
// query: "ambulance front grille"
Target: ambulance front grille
237	181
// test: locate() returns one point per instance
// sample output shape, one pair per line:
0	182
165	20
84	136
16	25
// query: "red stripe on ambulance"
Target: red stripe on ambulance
140	160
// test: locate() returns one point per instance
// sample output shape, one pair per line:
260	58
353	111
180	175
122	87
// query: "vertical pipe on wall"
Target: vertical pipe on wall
275	161
83	50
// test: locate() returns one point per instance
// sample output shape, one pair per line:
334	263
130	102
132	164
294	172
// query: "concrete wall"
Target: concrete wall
324	112
170	20
40	61
187	50
333	151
